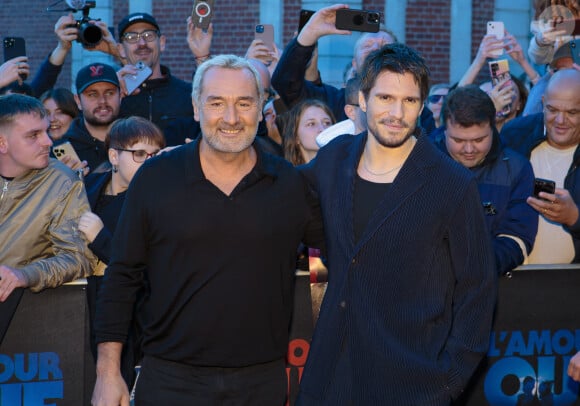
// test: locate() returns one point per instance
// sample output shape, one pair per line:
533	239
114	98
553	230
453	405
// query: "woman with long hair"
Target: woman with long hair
305	121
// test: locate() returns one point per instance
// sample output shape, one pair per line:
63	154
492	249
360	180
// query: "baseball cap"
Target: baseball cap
133	19
94	73
565	51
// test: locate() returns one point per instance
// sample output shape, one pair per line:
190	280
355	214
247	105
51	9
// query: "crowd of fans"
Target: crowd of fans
504	131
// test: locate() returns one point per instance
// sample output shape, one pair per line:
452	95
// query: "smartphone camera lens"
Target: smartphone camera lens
202	10
374	18
259	29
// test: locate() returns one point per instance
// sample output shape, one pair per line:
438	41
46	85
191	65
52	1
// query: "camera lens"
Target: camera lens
374	18
89	34
259	29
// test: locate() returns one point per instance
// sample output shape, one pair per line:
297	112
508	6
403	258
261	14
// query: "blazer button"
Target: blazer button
343	304
353	261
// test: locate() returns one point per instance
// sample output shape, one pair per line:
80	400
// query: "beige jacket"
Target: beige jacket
39	214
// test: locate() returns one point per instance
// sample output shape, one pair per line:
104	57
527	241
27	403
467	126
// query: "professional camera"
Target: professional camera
89	34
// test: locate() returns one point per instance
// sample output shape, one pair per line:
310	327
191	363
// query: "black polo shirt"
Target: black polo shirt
220	268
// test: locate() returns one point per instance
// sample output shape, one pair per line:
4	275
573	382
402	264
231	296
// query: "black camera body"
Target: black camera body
89	34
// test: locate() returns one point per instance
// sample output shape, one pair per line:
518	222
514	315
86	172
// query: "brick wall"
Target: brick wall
482	13
428	31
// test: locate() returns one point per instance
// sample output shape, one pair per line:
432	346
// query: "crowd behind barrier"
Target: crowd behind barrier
277	105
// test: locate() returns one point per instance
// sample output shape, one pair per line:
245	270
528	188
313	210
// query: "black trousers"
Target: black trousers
170	383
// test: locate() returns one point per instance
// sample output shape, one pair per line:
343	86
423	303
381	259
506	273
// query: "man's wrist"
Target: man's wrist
201	59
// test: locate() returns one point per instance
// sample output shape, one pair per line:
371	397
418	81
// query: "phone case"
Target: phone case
13	47
496	28
202	13
357	20
64	149
304	17
132	82
265	32
544	185
500	70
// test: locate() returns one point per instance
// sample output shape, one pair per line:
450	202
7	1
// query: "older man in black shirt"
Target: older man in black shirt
212	229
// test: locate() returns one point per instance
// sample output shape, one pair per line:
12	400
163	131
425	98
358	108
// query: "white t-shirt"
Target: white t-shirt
553	244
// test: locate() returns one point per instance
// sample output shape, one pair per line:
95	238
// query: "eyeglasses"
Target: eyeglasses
147	35
139	155
435	98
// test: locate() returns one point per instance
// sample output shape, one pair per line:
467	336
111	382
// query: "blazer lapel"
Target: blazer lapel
343	206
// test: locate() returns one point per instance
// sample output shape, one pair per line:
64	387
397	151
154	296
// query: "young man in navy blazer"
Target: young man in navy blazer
412	285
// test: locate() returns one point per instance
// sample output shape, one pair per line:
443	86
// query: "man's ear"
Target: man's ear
362	102
3	144
349	111
195	110
162	43
78	101
113	156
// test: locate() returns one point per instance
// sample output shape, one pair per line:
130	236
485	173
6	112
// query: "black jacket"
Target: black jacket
87	147
160	100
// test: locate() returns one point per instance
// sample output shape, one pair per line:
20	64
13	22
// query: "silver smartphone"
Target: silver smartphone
132	82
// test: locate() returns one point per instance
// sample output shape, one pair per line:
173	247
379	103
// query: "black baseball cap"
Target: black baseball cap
94	73
565	51
133	19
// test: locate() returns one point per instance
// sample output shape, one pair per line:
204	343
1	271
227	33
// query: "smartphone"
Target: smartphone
358	20
14	47
543	185
202	13
304	17
265	32
132	82
65	149
496	28
500	70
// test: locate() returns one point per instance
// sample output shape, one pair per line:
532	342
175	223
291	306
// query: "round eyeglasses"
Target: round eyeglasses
147	35
139	155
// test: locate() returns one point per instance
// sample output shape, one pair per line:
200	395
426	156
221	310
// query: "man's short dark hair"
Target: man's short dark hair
467	106
396	58
14	104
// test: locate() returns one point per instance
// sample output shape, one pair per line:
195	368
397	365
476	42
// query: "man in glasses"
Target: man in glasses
162	97
99	98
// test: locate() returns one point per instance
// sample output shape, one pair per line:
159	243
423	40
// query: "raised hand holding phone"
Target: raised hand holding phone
15	47
497	29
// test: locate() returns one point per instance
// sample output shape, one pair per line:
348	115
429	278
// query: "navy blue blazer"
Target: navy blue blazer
408	310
